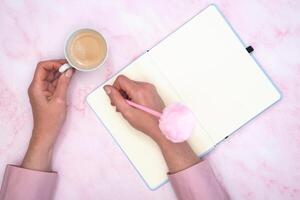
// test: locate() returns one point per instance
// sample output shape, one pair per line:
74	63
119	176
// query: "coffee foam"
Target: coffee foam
86	49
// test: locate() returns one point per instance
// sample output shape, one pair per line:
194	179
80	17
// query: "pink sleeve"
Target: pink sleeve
25	184
197	182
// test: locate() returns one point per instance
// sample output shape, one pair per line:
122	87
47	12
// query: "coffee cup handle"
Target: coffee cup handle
64	68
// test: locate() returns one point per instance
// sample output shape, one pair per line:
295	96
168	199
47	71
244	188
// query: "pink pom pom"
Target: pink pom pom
177	122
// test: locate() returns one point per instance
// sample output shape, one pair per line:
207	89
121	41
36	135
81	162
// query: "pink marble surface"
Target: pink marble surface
261	161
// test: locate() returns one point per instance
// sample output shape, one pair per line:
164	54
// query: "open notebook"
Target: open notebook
204	65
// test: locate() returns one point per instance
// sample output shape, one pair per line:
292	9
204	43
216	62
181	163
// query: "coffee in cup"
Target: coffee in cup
85	50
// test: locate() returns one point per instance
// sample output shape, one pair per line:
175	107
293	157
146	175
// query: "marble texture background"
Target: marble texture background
260	161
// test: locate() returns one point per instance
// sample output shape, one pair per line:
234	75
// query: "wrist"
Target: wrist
43	138
179	156
156	135
40	144
38	156
167	145
39	152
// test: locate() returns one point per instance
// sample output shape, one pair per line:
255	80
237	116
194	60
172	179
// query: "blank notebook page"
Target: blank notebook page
214	74
203	65
142	152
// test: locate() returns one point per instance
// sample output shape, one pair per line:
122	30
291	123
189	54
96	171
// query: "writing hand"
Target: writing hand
177	155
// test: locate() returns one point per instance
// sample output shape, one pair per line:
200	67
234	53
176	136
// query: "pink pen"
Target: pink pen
176	122
144	108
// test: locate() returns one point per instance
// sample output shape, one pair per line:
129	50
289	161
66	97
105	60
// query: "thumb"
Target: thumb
117	100
63	84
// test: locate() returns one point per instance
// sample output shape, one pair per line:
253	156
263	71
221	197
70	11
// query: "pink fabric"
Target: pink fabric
197	182
19	183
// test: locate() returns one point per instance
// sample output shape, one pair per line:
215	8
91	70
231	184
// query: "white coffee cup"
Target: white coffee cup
71	63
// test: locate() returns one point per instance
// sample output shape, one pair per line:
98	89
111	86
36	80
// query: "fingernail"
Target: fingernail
107	89
69	73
